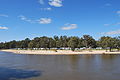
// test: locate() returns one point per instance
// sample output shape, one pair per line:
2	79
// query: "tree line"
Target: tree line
57	42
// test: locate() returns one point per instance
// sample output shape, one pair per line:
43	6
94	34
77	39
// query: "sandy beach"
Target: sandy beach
59	52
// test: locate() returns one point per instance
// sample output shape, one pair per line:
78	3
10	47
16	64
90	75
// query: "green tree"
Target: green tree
88	41
12	44
73	43
57	41
31	45
51	43
107	42
1	45
80	43
44	41
117	43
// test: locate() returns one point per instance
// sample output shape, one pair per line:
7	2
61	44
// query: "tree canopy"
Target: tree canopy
59	42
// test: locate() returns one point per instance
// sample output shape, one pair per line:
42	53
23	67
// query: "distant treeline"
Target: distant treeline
73	42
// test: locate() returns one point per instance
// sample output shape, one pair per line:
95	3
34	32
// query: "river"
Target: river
59	67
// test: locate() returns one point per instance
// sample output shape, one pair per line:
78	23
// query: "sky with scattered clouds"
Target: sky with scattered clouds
20	19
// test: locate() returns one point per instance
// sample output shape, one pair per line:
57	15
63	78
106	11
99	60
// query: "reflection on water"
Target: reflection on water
76	67
12	74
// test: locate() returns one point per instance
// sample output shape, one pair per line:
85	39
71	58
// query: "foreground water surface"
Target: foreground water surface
59	67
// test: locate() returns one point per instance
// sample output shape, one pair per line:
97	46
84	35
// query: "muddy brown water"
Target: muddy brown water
59	67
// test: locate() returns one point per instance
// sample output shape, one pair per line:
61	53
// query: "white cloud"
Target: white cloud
55	3
25	19
118	23
40	21
69	26
44	21
3	15
46	9
3	27
106	24
112	32
41	1
118	12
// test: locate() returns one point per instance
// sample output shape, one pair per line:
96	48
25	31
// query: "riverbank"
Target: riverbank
59	52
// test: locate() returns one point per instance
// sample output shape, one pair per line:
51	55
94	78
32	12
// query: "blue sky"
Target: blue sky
20	19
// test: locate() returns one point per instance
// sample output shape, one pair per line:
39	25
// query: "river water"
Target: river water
59	67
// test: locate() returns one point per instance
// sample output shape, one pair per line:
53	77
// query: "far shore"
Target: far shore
59	52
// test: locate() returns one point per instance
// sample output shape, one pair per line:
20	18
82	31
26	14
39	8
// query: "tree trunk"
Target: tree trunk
73	49
110	49
106	50
118	49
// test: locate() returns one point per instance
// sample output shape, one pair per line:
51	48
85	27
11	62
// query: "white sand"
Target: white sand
59	52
